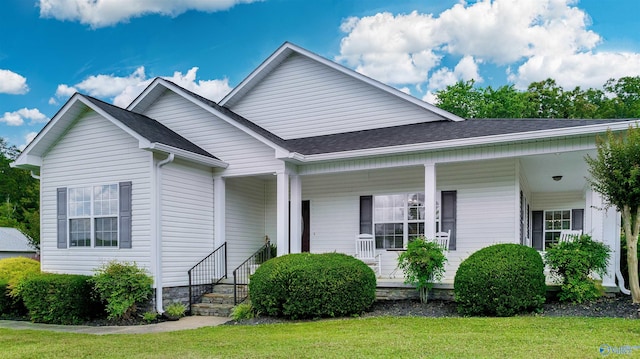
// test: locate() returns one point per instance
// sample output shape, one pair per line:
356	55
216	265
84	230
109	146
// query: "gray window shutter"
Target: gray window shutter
366	215
62	217
448	215
537	226
125	214
577	219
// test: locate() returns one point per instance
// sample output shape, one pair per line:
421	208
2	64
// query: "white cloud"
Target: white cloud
12	83
466	69
124	89
537	38
101	13
27	140
581	69
17	118
212	89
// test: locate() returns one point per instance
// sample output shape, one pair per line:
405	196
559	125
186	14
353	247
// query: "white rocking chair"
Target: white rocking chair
366	252
569	236
442	239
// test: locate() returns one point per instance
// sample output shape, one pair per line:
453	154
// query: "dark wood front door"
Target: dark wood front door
306	226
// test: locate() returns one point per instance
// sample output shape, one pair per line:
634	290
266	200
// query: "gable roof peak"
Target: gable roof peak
288	48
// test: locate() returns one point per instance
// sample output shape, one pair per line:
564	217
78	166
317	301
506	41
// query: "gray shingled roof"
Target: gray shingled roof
149	128
428	132
403	135
12	240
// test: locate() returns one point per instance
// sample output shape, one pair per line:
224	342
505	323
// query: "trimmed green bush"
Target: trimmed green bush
14	269
574	261
123	286
59	298
306	285
502	280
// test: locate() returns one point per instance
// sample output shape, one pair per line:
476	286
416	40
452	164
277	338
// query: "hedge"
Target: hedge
59	298
502	280
306	285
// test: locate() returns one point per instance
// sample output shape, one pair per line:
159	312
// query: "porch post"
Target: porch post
219	209
296	214
430	200
282	228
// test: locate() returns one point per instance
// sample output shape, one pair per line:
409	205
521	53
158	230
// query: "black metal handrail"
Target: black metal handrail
207	273
247	268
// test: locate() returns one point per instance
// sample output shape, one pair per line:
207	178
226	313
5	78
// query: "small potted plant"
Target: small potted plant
423	264
175	311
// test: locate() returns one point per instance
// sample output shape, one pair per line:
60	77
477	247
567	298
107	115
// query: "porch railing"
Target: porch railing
208	272
247	268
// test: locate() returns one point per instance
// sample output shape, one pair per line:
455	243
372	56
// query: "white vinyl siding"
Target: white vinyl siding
95	151
245	222
244	154
485	202
303	98
187	219
557	200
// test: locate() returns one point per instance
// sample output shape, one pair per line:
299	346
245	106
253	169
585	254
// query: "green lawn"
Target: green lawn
519	337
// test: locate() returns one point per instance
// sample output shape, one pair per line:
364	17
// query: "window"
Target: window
554	223
546	225
93	216
397	219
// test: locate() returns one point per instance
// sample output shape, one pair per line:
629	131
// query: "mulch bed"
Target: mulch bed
619	306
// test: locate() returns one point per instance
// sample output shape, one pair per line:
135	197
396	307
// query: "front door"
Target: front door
306	226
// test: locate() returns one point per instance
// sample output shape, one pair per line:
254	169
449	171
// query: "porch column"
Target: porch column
219	209
282	228
296	214
430	200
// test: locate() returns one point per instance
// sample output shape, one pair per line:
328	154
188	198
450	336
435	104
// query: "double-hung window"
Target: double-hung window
93	216
554	223
397	219
546	225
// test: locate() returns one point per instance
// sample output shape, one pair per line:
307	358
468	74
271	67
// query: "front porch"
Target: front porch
500	200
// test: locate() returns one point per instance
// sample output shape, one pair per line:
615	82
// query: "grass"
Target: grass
381	337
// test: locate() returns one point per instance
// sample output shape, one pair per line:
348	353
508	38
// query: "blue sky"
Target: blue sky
51	48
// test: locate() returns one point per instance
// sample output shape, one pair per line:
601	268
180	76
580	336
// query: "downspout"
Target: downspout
158	274
35	175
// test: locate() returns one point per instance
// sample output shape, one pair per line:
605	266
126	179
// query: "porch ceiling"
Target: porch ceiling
540	169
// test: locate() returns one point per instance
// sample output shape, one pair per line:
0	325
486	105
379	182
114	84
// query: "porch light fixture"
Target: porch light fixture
557	178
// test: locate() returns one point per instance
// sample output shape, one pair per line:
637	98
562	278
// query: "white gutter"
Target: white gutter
187	155
158	268
464	142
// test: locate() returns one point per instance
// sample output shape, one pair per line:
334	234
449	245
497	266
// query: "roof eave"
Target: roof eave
465	142
186	155
221	115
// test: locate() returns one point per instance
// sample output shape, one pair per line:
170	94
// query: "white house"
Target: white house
310	154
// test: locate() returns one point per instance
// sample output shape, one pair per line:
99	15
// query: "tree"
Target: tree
462	99
626	100
615	174
19	196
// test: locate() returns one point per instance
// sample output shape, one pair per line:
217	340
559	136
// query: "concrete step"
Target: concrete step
212	309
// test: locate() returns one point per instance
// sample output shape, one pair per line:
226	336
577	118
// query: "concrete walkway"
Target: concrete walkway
192	322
